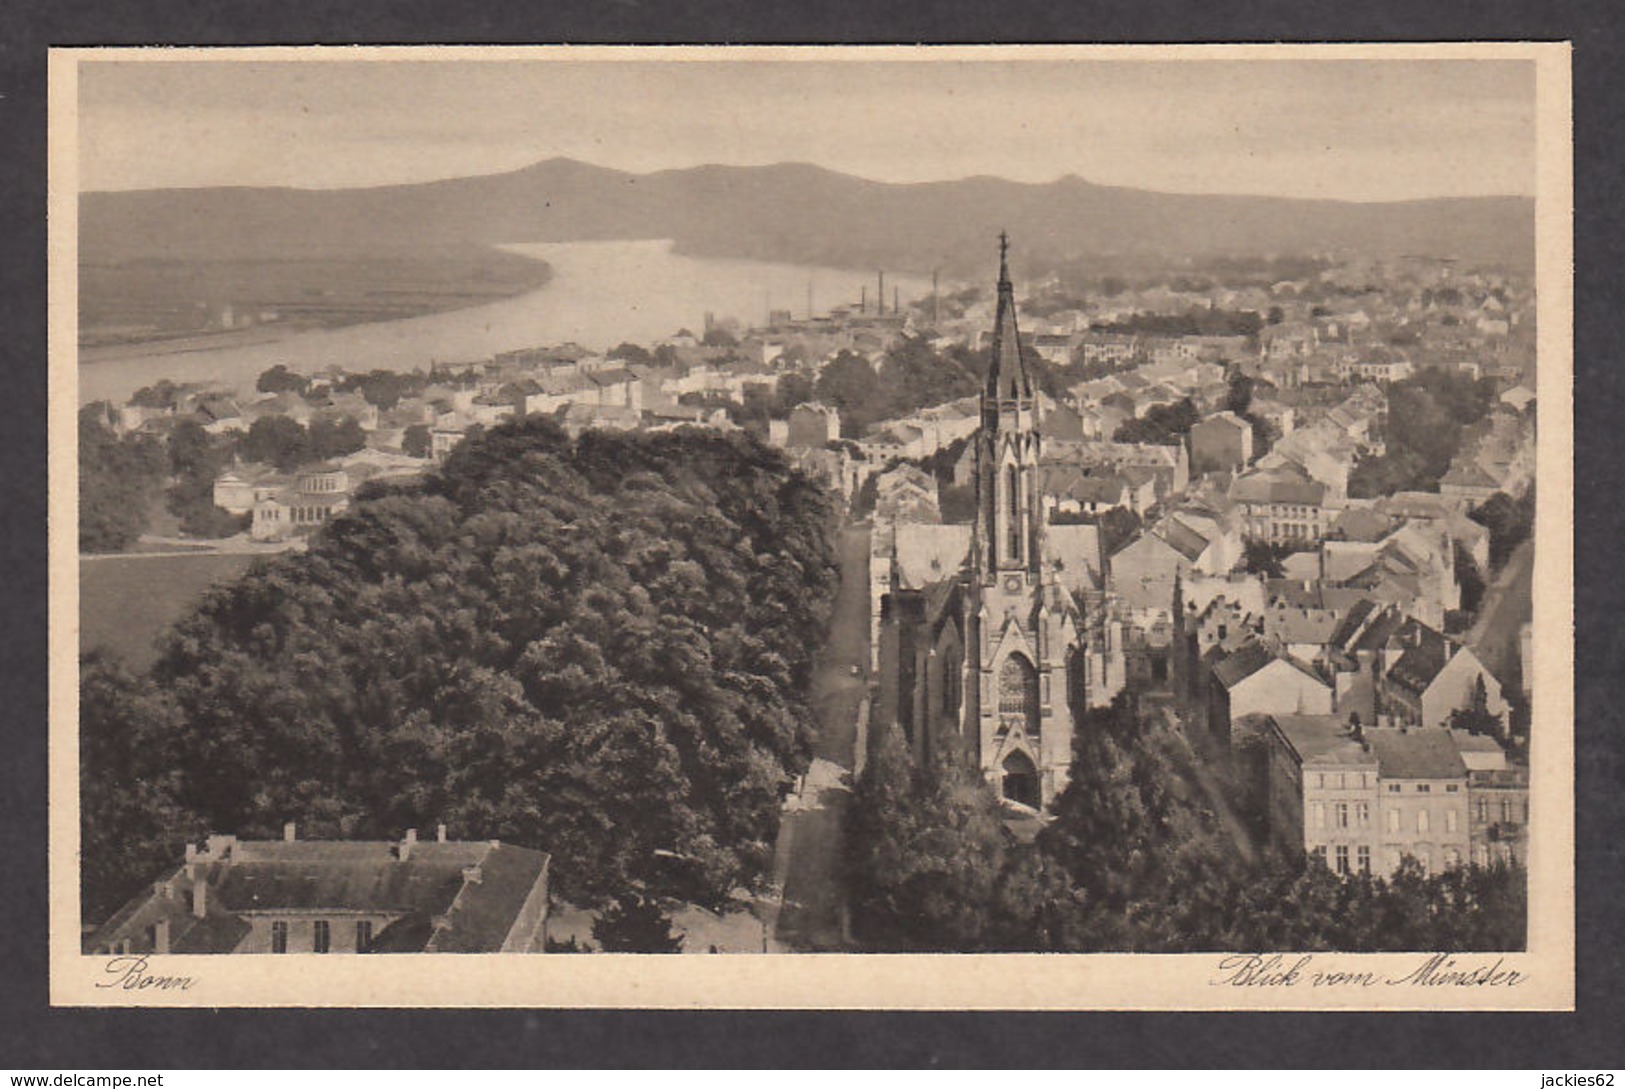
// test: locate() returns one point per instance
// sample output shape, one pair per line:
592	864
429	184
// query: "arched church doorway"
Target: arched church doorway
1021	780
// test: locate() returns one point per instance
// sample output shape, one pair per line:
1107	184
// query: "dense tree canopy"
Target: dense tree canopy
1134	859
118	478
1163	425
1426	415
600	648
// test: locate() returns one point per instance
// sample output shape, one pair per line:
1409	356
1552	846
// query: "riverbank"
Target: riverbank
599	294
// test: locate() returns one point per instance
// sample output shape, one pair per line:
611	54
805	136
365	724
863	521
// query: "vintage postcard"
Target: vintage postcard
918	528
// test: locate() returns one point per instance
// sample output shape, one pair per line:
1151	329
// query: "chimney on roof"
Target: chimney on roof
410	841
440	833
472	875
290	832
160	936
200	898
191	851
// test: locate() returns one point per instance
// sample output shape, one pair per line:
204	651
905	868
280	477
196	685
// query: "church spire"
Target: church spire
1007	378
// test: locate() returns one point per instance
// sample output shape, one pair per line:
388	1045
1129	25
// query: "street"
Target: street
1507	604
807	857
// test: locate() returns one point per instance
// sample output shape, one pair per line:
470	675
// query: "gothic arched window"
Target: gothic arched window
1018	693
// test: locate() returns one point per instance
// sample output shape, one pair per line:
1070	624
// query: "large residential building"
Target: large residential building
338	896
1365	800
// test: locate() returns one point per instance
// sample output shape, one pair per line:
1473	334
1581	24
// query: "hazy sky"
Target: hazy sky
1352	129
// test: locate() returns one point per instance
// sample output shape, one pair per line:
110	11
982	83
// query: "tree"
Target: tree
132	824
1510	522
279	379
277	440
161	394
1162	425
849	383
1476	717
1239	397
418	441
634	354
718	337
793	389
518	644
327	439
924	852
118	478
635	924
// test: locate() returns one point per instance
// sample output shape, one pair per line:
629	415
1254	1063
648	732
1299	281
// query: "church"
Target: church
990	634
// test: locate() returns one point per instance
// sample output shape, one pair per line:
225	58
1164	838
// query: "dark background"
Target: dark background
32	1035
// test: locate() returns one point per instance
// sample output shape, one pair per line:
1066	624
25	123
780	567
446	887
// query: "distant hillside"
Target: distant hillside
789	212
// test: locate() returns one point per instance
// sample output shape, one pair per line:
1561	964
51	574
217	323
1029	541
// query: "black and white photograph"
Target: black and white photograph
1093	524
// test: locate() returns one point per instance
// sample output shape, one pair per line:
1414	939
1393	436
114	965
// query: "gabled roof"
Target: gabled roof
1242	663
1425	653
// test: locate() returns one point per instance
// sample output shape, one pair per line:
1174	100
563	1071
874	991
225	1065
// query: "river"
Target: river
600	294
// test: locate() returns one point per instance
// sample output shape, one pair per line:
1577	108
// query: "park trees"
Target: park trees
599	647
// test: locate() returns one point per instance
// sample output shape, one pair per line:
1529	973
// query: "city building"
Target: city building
338	896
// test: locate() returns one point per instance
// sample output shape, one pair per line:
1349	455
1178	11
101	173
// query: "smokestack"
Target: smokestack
440	833
880	296
290	832
895	308
200	898
863	299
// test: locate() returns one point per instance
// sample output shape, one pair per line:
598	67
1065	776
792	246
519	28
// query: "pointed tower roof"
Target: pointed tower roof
1007	378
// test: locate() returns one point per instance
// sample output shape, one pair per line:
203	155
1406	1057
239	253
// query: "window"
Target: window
1342	814
279	937
1362	814
1452	857
1423	788
1393	788
1482	807
1423	820
322	938
1393	820
1506	810
1342	856
1018	691
1320	815
1322	780
363	935
1452	788
1450	820
1363	854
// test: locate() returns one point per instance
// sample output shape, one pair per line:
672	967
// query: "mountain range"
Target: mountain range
791	212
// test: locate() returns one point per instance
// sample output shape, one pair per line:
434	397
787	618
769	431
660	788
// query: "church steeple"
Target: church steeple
1007	378
1010	514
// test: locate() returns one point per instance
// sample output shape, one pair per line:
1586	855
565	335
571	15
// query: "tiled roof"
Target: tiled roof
1323	739
1425	653
464	896
1243	663
1427	753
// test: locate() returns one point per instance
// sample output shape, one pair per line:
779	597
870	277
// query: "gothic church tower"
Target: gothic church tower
1022	625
